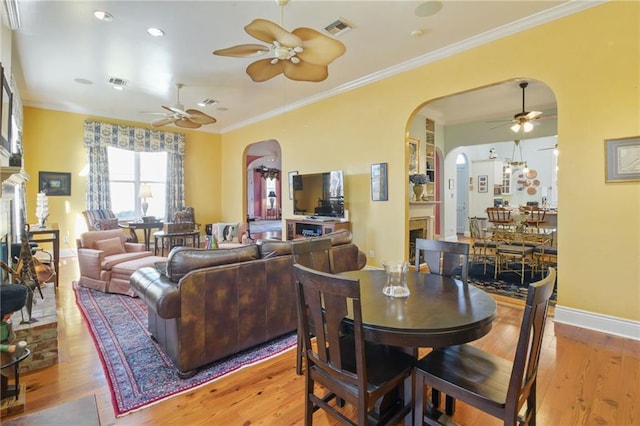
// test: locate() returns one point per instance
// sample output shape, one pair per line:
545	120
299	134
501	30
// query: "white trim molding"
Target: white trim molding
598	322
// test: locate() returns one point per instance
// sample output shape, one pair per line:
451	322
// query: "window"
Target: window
127	171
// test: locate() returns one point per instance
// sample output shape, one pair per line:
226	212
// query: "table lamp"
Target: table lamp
272	198
145	192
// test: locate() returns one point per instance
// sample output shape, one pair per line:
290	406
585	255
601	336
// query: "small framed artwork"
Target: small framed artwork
379	190
483	185
291	175
54	183
414	156
622	159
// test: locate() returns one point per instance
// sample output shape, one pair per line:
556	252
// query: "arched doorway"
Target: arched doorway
264	189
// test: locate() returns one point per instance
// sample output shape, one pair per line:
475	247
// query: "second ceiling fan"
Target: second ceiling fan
190	118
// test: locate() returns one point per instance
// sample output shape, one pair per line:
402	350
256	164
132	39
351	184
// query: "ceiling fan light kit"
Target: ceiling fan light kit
302	55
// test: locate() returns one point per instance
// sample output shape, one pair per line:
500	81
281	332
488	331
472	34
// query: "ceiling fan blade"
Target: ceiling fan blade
163	121
243	51
269	32
200	117
304	71
319	49
175	110
187	123
264	70
533	114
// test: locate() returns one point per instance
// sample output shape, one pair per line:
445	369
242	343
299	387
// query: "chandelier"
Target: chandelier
267	172
512	163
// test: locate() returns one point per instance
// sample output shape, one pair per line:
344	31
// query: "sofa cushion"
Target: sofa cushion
183	260
339	237
111	261
104	224
110	246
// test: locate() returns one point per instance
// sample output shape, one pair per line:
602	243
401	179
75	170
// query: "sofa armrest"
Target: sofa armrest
160	293
134	247
90	262
362	259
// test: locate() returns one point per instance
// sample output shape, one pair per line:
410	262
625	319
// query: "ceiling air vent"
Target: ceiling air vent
117	81
207	102
339	27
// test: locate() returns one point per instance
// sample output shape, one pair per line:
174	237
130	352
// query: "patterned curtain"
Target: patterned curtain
98	136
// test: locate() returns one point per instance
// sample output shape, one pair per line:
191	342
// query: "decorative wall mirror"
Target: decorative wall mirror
5	111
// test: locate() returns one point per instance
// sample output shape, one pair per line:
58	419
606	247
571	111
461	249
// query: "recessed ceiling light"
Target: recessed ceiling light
103	15
82	81
156	32
119	88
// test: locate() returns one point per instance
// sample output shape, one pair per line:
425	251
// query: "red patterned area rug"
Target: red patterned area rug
137	370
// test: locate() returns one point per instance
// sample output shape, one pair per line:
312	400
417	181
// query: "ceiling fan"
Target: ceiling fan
190	118
525	120
302	55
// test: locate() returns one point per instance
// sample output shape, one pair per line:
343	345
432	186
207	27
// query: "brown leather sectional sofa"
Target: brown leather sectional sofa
204	305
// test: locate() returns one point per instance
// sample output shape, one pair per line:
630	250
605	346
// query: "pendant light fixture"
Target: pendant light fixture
516	164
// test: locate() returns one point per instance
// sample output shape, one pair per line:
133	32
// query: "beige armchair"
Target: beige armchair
100	251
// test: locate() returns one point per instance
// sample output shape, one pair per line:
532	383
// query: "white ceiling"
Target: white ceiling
60	42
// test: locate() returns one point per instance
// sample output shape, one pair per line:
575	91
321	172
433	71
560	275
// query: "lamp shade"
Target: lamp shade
145	191
272	194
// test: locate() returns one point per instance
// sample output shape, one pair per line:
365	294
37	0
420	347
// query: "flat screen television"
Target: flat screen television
319	195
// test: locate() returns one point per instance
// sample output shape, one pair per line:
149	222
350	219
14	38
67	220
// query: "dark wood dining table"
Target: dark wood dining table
440	311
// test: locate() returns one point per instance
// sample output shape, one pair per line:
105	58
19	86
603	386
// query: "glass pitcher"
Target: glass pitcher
396	278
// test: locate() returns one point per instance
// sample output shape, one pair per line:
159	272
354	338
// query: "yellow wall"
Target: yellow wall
591	62
53	141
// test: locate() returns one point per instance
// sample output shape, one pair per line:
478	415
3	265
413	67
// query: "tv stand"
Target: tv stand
305	228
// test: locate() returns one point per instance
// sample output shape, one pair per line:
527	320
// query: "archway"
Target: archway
264	189
474	122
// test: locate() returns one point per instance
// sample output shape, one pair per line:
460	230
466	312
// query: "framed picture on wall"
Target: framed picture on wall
622	159
379	190
54	183
483	183
414	156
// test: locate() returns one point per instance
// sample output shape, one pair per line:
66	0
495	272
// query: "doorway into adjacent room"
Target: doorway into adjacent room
264	189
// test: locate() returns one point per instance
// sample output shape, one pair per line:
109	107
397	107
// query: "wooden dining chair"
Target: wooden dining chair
490	383
346	367
314	254
443	257
499	216
536	216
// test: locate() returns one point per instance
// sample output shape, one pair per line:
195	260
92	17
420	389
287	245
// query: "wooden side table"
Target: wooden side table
146	230
167	240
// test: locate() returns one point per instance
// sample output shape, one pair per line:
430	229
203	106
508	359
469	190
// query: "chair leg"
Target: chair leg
418	402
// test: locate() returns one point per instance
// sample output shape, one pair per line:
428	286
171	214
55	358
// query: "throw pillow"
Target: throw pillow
104	224
110	246
228	232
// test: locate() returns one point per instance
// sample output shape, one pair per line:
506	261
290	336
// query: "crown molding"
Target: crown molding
537	19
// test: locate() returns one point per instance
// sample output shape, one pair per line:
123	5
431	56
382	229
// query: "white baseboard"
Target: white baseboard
598	322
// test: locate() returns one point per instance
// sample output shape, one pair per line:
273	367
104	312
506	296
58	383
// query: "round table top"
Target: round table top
440	311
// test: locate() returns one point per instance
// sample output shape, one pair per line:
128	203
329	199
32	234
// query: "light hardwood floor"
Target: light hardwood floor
585	378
